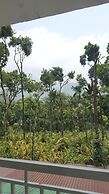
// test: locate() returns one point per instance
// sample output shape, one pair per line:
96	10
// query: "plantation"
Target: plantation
39	121
72	148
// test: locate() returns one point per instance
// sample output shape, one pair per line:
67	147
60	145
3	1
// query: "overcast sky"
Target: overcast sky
60	40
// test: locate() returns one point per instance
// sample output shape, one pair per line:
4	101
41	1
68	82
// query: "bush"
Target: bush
99	153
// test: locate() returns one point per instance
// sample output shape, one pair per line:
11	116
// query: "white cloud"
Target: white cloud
53	49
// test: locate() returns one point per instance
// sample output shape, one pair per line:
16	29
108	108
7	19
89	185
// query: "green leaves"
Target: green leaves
71	74
91	54
4	54
57	73
49	77
107	58
26	45
83	59
23	44
100	155
6	31
14	41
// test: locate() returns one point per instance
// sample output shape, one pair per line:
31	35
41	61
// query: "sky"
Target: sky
60	40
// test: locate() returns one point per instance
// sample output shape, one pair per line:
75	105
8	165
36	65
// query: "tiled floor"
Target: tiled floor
70	182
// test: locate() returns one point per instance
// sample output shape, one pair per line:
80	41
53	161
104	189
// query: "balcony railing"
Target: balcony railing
57	169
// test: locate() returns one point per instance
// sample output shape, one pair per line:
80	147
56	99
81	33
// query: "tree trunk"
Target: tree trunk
23	104
95	99
33	139
50	111
38	113
61	112
101	117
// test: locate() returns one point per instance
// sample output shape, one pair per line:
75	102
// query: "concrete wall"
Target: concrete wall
14	11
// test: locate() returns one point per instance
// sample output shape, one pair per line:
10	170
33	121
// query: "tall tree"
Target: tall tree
5	34
78	91
91	56
37	90
103	81
48	82
22	48
62	80
11	84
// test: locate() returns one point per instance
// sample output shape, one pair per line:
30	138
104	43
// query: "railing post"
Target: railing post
0	188
26	181
12	188
41	190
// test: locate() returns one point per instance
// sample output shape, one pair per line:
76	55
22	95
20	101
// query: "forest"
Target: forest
39	121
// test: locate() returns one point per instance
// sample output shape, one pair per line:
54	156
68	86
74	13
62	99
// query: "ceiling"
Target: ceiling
14	11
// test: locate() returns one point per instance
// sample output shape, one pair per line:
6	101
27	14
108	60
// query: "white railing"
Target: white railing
57	169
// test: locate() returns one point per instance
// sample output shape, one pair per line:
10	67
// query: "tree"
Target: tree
4	53
11	84
37	90
78	91
103	90
81	85
48	82
58	75
22	48
49	79
107	58
62	80
99	154
92	57
5	33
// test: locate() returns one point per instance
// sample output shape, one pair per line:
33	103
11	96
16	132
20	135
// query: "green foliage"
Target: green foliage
4	54
56	128
103	74
57	73
47	78
100	155
26	45
6	31
71	148
22	44
11	82
83	59
107	58
71	74
92	52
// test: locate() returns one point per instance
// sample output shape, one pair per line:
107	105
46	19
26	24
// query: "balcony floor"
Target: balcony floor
41	178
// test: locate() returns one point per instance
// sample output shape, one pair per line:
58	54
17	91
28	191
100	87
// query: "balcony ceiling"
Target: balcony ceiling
14	11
